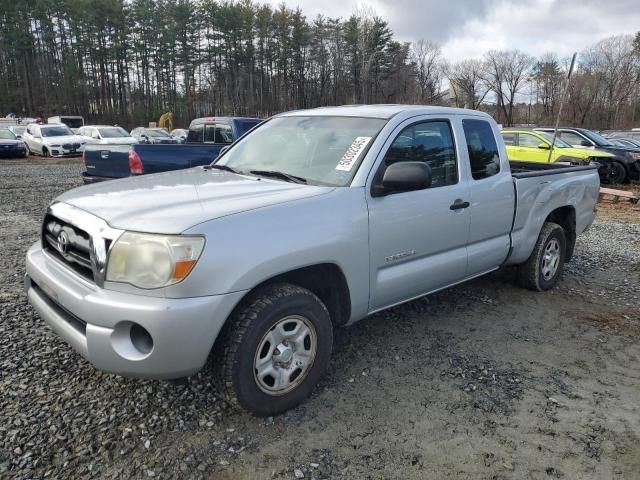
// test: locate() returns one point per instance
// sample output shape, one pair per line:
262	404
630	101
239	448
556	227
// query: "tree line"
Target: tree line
127	62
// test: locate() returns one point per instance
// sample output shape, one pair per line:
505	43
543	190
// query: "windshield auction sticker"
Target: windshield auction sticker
353	152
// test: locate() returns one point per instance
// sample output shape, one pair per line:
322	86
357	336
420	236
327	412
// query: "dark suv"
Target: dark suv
626	161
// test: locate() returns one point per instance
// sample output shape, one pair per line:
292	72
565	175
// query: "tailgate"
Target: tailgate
108	161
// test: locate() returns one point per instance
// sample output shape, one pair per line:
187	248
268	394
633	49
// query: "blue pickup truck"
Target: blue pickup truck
207	137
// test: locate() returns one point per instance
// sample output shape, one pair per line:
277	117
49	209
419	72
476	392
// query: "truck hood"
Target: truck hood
174	201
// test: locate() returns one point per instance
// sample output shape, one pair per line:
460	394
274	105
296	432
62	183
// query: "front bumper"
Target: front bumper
13	152
97	323
61	152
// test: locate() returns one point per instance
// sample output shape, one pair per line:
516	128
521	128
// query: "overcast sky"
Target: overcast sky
468	28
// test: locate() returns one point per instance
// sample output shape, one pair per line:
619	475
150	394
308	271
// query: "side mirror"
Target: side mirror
544	146
404	177
585	143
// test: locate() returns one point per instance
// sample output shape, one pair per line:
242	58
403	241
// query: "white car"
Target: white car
106	135
55	140
180	134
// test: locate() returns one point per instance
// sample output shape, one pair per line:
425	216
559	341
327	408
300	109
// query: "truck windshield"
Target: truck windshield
599	140
57	131
113	132
324	150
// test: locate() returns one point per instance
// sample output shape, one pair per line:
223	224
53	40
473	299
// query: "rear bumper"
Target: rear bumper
99	324
88	179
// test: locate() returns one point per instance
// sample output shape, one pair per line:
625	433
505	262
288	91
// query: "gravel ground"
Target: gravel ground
484	380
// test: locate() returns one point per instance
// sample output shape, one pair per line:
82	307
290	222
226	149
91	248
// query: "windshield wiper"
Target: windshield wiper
226	168
276	174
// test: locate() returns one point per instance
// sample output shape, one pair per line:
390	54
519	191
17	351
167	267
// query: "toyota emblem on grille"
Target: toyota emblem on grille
63	242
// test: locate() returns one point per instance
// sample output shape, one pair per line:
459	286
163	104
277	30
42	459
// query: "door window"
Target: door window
509	138
528	140
572	138
483	150
431	143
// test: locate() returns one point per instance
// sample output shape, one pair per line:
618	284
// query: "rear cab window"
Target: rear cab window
484	157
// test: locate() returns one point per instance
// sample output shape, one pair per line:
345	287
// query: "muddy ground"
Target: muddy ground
482	381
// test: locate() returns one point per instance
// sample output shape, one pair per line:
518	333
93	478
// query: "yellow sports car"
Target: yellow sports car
530	146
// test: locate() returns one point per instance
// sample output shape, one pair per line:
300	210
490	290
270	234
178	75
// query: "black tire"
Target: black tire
45	152
617	173
249	328
531	274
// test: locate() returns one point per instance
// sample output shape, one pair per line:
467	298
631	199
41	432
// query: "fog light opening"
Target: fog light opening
141	338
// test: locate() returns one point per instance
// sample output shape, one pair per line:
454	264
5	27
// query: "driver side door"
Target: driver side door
418	239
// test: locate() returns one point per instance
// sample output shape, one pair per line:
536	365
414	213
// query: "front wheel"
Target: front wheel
617	173
543	268
275	349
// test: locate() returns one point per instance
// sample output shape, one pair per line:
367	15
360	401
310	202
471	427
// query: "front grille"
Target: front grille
66	146
69	244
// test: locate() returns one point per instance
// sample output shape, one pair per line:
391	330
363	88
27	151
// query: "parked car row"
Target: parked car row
618	157
158	152
618	162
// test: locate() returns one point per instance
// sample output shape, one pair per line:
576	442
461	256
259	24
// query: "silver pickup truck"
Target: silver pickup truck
311	221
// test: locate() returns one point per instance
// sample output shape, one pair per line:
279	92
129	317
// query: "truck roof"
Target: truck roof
382	111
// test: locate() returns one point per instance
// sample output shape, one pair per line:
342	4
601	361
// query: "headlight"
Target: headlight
153	261
54	146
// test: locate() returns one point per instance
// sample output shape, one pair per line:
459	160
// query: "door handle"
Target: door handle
459	205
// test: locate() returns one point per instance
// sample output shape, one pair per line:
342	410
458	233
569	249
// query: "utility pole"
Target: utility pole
562	100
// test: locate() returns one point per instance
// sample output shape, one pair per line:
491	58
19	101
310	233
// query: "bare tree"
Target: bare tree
429	65
466	84
506	72
548	77
615	67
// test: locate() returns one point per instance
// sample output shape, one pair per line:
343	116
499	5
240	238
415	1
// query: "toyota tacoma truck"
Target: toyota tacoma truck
312	221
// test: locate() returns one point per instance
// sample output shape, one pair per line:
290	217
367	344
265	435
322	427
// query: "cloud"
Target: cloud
468	28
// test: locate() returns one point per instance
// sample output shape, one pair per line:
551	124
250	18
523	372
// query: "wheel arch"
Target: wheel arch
566	218
326	280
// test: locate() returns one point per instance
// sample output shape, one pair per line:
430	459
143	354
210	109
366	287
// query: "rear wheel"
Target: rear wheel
275	349
543	268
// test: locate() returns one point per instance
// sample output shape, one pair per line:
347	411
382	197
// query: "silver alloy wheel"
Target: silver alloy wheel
550	259
285	355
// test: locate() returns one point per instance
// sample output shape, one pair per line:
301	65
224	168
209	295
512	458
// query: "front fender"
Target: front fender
246	249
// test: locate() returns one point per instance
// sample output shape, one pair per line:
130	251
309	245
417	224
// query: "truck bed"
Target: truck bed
535	169
104	162
541	189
